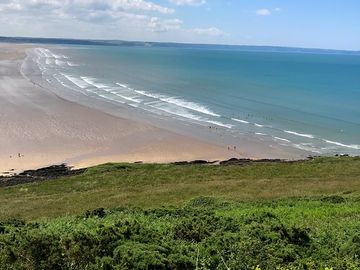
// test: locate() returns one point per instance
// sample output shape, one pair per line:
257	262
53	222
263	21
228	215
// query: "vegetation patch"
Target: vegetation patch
265	215
216	235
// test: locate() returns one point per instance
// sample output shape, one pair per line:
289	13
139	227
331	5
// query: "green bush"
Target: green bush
205	234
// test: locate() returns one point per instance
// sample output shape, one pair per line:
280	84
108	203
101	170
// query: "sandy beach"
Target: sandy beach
39	128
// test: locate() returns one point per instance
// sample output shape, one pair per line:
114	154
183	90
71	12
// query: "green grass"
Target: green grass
303	215
205	233
150	185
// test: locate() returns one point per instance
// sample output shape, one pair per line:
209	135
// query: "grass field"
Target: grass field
147	185
303	215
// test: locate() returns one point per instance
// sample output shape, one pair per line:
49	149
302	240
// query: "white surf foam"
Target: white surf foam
47	53
111	99
189	105
49	61
43	52
93	82
220	124
147	94
122	85
132	99
260	134
300	134
352	146
281	139
71	64
178	102
182	113
78	82
60	63
241	121
258	125
39	52
56	56
109	89
306	147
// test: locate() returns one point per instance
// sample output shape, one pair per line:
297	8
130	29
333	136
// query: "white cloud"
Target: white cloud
158	25
100	19
188	2
211	31
266	11
90	5
263	12
137	12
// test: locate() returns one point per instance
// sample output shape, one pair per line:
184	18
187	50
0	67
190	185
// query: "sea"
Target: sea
302	99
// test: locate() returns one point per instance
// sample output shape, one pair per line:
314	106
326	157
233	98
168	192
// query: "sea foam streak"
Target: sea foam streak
71	64
60	63
300	134
189	105
107	88
219	124
92	81
132	99
353	146
307	148
182	113
48	54
179	102
78	82
241	121
108	98
122	85
282	139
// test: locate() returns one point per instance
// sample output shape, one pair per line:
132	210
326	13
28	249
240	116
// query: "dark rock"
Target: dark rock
41	174
199	162
194	162
181	163
243	161
268	160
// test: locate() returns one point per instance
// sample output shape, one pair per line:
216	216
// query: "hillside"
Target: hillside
302	215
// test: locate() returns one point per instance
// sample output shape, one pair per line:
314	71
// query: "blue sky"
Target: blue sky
317	24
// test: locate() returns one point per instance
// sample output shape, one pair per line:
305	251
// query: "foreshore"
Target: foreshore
40	128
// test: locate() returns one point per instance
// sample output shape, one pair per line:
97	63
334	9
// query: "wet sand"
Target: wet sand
38	128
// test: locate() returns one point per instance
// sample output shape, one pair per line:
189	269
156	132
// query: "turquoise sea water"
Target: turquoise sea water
308	101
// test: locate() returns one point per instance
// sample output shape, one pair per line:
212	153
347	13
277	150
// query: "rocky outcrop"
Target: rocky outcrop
47	173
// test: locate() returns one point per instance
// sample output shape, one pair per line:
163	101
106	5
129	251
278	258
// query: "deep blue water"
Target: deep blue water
307	100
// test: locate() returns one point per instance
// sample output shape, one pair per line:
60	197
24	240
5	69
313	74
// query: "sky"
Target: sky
330	24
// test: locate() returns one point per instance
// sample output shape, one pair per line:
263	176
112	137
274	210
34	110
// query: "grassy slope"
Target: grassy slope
142	185
292	234
281	216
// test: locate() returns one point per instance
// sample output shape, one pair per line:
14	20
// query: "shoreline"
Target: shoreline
42	127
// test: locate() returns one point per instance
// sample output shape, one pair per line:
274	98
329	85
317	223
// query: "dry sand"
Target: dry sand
45	129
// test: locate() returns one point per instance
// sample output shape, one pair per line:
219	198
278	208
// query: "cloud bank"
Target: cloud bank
188	2
104	19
